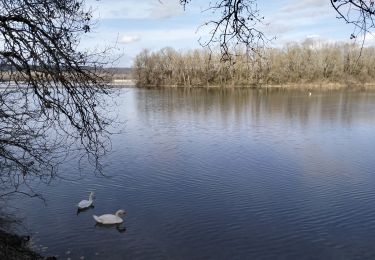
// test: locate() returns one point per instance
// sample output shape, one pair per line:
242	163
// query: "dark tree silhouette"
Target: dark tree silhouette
51	94
237	25
360	13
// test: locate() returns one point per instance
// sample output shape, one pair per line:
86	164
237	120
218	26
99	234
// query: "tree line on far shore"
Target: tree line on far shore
309	62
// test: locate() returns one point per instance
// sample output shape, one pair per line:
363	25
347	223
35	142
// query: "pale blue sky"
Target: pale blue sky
132	25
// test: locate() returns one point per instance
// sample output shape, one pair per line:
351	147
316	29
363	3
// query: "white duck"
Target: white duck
86	203
110	218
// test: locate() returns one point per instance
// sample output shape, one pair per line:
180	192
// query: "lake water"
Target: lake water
223	174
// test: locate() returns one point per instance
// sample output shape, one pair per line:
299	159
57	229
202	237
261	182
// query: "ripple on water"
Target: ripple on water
217	175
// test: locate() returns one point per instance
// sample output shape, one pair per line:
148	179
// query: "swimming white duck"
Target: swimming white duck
86	203
110	218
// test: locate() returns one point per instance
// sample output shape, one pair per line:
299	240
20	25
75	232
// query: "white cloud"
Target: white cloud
135	9
303	5
313	36
367	39
165	9
129	39
276	28
161	37
315	41
292	20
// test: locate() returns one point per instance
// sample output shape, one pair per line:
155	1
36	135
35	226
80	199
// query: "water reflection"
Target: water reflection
119	227
85	209
224	174
241	105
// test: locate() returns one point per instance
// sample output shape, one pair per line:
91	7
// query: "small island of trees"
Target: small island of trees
310	63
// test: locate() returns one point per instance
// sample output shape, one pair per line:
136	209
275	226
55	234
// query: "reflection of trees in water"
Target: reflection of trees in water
244	105
8	217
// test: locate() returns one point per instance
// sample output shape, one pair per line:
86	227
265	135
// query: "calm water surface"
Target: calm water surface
223	174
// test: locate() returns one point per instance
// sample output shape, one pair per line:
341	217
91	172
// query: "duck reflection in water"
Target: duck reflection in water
85	209
119	227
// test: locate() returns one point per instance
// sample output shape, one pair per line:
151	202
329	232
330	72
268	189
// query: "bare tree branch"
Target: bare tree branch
359	13
236	25
51	93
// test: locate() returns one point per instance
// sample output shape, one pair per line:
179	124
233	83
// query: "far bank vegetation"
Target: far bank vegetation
299	64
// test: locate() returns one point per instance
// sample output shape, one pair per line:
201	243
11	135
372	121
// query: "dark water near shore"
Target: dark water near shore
223	174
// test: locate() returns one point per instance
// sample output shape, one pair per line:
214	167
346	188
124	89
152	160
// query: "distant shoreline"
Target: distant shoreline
132	83
121	82
291	86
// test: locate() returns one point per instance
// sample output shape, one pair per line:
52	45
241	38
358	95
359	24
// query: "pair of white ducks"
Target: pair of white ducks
106	219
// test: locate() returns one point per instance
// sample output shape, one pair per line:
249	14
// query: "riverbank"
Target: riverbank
321	86
14	247
292	86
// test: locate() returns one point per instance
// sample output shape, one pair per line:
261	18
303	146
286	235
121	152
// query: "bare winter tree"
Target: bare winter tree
360	13
236	23
51	94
